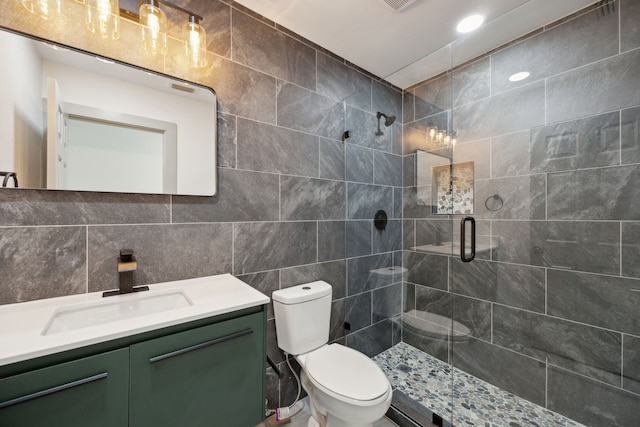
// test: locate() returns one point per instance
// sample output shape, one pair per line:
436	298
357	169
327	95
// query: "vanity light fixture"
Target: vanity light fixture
103	18
45	9
470	23
519	76
154	31
437	138
153	23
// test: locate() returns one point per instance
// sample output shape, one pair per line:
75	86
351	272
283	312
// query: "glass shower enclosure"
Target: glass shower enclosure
521	238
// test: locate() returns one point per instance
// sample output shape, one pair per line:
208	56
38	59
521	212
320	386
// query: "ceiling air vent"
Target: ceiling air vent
398	5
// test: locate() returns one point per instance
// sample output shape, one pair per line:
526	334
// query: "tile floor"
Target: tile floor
428	381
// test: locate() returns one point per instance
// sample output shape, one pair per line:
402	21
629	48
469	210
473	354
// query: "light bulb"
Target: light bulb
103	18
432	132
45	9
153	22
195	42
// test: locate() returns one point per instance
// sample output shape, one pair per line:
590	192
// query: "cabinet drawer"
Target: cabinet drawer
209	376
87	392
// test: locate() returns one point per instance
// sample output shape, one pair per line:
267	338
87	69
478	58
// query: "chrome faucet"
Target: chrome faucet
127	266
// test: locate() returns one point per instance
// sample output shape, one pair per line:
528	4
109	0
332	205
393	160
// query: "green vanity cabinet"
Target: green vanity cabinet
87	392
209	376
208	372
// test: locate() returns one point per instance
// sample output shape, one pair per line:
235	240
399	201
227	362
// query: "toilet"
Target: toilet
345	387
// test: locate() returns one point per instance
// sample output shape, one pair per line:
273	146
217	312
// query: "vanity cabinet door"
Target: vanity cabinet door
88	392
209	376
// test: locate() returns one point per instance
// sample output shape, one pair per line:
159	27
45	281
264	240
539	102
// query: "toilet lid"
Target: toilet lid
346	372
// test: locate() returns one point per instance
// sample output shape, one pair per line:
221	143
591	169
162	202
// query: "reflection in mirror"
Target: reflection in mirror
72	121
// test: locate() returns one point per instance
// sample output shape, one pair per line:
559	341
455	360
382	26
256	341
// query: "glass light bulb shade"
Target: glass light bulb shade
45	9
153	23
195	44
103	18
432	132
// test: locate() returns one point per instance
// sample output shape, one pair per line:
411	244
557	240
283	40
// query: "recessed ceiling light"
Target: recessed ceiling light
470	23
519	76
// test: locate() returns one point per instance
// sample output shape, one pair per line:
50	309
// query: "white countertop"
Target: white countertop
22	325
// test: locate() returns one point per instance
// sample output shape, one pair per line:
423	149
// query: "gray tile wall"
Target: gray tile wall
295	202
553	307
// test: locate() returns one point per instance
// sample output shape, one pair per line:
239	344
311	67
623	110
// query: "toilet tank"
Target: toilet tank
302	315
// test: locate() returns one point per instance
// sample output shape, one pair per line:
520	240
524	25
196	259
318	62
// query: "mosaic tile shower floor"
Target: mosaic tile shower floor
427	380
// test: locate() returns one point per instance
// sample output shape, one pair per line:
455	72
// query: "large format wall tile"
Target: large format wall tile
629	31
510	155
586	143
370	272
583	349
508	112
341	82
595	194
363	200
519	286
164	252
471	82
334	273
389	239
604	301
331	240
522	197
630	135
506	369
359	162
583	246
583	40
468	312
386	302
311	199
42	262
590	402
243	91
242	196
358	311
387	169
363	130
630	249
374	339
273	52
227	140
332	159
631	368
266	148
305	110
38	207
265	282
386	99
596	88
433	97
427	270
267	246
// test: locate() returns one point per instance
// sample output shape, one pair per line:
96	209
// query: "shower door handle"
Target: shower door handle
463	236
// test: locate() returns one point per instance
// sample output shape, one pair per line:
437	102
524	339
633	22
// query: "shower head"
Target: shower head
388	120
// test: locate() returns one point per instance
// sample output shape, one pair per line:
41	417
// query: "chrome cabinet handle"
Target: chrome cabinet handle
463	222
201	345
52	390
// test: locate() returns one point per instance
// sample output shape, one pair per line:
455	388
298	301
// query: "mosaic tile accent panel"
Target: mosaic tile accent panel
428	381
456	198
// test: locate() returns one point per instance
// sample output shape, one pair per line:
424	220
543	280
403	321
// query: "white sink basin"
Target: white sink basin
114	308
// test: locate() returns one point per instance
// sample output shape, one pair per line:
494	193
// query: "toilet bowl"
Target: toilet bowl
345	387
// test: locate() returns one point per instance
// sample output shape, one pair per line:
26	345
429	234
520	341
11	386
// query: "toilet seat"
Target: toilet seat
346	374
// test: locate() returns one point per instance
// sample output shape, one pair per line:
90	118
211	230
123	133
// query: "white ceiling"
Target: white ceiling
418	42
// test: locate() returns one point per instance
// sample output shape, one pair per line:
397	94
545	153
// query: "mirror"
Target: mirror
72	121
